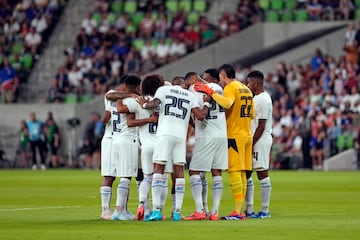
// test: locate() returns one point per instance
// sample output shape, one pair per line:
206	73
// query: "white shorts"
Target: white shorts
125	152
170	149
209	153
107	166
261	154
147	154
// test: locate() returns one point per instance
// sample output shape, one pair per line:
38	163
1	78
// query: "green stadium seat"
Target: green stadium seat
287	16
130	6
26	61
138	43
1	59
277	4
357	3
301	16
71	98
154	42
172	6
264	4
168	41
97	17
17	47
193	17
185	5
137	18
357	14
272	16
290	4
155	15
199	6
116	7
85	98
111	17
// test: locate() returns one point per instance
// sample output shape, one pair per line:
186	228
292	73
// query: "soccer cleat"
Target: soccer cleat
154	216
250	215
129	215
234	215
140	213
196	216
176	216
214	217
263	215
121	216
106	215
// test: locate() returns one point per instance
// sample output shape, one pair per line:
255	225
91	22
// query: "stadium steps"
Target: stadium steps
53	55
346	160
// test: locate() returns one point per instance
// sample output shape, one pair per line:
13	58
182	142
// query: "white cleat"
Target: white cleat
106	215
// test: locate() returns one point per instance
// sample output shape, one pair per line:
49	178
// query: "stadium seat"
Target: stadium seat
193	17
97	17
138	43
1	59
155	15
111	17
26	61
357	14
17	47
264	4
172	6
287	16
154	42
199	5
272	16
301	16
116	7
71	98
277	4
130	6
137	18
290	4
185	5
357	3
85	98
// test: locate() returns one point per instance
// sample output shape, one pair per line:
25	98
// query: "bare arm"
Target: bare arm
149	104
259	130
121	107
114	96
132	122
106	117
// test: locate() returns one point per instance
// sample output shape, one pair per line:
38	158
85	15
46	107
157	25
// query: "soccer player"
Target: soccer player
176	105
108	170
239	110
210	151
211	75
125	148
261	128
146	120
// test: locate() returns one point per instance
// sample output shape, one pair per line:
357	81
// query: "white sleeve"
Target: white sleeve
194	100
131	104
261	109
159	93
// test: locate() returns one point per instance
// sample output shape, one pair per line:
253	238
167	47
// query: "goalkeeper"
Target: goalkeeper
238	103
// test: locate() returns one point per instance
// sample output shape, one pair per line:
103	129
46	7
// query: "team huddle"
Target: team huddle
147	124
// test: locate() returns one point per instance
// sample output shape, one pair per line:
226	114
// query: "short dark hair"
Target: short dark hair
132	80
190	74
228	69
150	84
213	72
256	74
123	79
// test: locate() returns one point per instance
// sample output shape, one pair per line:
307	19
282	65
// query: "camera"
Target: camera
73	122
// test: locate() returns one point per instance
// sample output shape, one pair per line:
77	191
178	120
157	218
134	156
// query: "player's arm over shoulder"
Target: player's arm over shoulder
227	100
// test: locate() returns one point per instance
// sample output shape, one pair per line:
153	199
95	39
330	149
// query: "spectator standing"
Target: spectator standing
24	146
35	127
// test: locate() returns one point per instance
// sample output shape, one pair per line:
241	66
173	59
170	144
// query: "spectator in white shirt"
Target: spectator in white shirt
177	49
33	41
39	23
84	63
89	24
162	52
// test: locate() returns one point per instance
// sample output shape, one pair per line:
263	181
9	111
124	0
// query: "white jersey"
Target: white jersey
175	110
147	132
215	124
110	106
118	121
263	110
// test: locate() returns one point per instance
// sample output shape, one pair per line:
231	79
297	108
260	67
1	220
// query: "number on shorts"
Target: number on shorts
255	155
176	103
152	128
116	122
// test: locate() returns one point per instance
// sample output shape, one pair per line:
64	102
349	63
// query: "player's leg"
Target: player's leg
204	191
121	199
156	187
265	183
217	189
106	193
196	190
249	195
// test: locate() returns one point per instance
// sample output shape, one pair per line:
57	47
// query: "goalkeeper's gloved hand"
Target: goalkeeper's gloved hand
201	87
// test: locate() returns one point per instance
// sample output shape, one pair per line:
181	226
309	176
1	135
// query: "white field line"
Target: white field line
37	208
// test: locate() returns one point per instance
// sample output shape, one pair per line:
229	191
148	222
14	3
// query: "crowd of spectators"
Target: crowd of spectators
25	25
110	44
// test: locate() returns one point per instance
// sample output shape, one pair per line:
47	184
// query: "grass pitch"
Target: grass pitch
65	204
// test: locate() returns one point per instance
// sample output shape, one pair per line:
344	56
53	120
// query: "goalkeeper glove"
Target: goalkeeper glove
200	87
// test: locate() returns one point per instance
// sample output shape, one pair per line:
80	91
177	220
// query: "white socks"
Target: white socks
265	194
165	190
196	189
217	189
122	194
250	196
179	193
144	188
157	184
105	192
204	190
